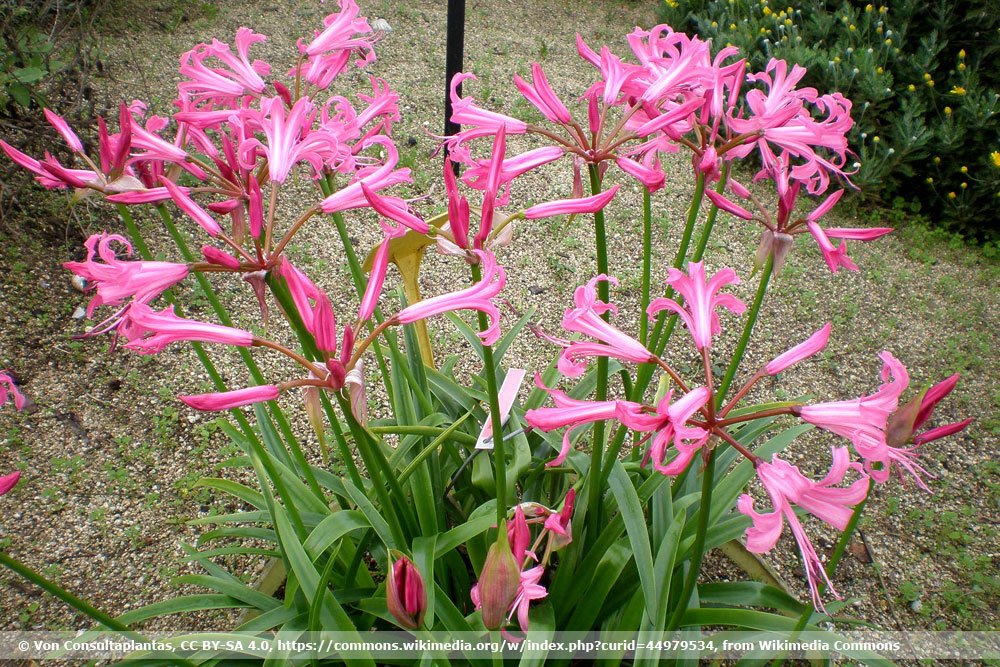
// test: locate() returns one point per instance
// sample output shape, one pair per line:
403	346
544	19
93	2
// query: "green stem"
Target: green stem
647	260
713	213
499	446
601	392
741	346
705	504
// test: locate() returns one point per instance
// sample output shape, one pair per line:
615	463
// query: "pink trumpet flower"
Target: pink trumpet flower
590	204
330	51
541	95
231	399
223	84
64	129
385	175
528	589
478	297
701	297
396	213
572	413
9	390
150	331
288	139
803	350
189	206
669	425
7	482
586	319
376	278
482	123
117	280
787	486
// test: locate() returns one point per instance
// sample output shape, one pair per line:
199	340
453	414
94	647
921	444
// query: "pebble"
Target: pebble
79	313
916	606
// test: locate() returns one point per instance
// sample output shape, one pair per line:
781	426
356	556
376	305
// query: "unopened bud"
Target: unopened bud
498	582
776	245
405	595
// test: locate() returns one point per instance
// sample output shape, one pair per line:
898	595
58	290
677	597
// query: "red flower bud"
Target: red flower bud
498	582
405	595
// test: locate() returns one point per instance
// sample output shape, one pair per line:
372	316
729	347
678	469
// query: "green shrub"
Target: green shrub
923	77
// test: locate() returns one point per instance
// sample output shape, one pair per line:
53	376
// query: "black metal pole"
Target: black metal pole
453	61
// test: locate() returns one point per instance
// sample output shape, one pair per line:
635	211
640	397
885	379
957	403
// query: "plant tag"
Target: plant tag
507	394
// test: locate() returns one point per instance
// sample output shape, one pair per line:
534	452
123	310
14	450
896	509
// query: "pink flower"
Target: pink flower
482	123
377	178
786	486
477	171
117	280
392	211
836	256
7	384
590	204
701	300
223	84
569	412
586	319
7	482
540	94
560	524
150	331
231	399
669	425
289	139
64	129
866	423
330	51
478	297
405	596
189	206
803	350
528	589
376	278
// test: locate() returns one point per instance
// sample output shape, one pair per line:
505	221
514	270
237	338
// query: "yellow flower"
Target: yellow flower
937	160
964	185
788	22
929	180
964	169
927	76
888	41
995	159
957	90
931	83
715	24
869	8
732	26
961	54
836	59
961	67
947	111
767	11
883	9
876	139
951	195
911	88
879	70
852	27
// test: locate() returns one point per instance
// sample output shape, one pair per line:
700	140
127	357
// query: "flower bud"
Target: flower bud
405	595
498	582
774	245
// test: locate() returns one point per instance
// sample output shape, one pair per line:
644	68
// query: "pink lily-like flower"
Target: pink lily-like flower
475	175
405	595
519	537
376	278
150	331
289	139
330	51
590	204
928	402
378	178
64	129
231	399
541	95
669	425
569	412
223	84
866	423
7	482
117	280
9	390
836	256
586	319
481	122
560	524
189	206
803	350
787	486
701	297
528	589
393	211
478	297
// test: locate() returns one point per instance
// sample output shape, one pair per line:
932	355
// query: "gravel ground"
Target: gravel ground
110	460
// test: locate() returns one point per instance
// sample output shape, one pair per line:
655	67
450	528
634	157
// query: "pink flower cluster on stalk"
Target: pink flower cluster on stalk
686	420
678	95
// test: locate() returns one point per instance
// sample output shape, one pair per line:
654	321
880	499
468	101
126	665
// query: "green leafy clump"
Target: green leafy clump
923	78
35	45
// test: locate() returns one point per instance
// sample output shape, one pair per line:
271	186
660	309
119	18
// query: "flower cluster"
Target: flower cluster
10	391
679	427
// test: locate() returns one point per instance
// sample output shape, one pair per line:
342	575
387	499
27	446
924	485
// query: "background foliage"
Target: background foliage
924	79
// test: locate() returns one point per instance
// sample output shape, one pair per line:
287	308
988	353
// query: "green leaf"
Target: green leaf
635	526
30	74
